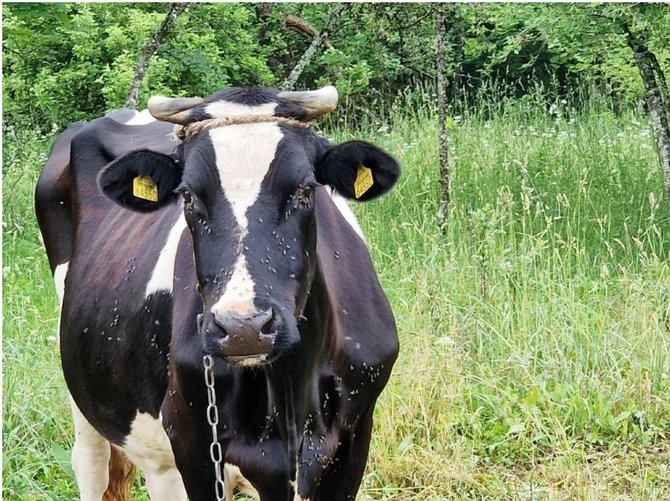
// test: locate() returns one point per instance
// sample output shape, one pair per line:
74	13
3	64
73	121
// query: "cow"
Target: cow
222	326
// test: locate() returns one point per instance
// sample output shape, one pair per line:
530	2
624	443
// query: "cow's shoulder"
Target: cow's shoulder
109	138
130	116
364	326
55	173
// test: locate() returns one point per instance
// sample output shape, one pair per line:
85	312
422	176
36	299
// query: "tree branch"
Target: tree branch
663	83
305	59
148	50
302	26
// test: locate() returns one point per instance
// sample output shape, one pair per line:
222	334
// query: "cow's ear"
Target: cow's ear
142	180
358	170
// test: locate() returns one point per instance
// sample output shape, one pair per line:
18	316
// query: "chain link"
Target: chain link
215	452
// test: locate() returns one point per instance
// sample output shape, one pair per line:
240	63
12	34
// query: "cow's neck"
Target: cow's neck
292	378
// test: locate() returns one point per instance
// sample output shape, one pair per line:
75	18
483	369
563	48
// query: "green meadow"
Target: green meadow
535	330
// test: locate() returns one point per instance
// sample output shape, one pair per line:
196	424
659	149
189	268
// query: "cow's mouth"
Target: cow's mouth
246	350
254	360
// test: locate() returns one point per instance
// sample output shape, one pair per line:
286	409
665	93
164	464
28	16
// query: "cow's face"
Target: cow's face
248	195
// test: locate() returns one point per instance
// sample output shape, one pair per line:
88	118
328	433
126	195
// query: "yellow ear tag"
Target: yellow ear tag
363	181
145	188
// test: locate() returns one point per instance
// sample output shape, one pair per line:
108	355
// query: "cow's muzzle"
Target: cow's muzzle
241	339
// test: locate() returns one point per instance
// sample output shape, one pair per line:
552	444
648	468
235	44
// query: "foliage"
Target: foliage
65	62
59	74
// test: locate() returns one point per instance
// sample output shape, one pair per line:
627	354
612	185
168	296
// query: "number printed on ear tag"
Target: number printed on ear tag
364	181
145	188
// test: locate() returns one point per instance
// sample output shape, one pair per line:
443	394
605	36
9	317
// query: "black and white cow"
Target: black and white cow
237	248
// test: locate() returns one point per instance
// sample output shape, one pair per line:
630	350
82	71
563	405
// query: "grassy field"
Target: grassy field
535	333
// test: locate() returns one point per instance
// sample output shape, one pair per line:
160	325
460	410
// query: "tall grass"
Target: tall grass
537	328
535	332
37	427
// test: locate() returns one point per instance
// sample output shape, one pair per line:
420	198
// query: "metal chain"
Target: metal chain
215	452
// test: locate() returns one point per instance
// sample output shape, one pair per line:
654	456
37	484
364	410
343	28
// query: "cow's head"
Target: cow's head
247	183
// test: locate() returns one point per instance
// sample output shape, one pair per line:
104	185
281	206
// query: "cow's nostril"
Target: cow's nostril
219	326
238	326
269	327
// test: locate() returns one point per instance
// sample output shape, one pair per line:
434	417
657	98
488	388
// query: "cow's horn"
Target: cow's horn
172	109
318	102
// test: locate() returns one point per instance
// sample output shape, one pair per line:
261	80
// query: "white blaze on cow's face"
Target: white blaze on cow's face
244	154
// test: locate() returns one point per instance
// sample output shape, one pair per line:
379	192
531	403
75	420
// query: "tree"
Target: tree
611	30
148	50
443	208
656	93
320	38
73	61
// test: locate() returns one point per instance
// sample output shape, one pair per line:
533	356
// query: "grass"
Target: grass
37	429
535	333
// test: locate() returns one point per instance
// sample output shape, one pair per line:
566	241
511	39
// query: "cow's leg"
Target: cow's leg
165	484
90	458
91	451
341	480
232	478
148	447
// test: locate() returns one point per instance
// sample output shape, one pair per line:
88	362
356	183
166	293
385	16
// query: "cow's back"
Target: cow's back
53	204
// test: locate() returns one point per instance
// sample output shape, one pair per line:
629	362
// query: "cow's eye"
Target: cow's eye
302	197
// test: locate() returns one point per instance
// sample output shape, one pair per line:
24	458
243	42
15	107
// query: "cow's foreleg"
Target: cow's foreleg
91	451
165	484
148	447
90	458
341	480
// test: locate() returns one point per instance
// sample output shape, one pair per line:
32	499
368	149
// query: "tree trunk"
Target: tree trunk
302	26
655	93
663	83
148	50
443	209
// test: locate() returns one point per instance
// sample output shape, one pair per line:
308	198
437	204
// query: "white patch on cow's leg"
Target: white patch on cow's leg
163	274
232	477
148	446
244	154
141	118
59	279
344	208
165	485
90	458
